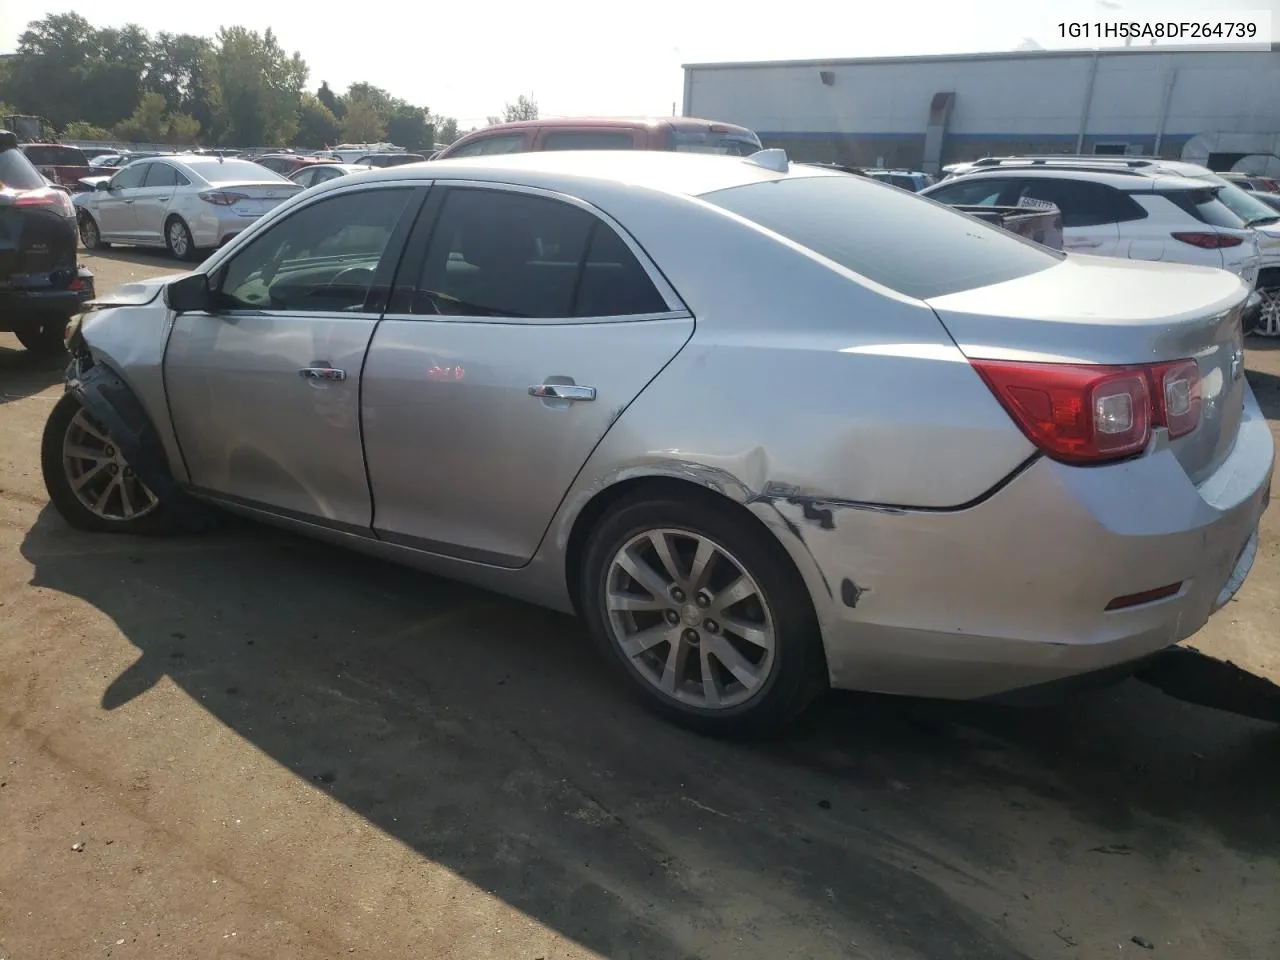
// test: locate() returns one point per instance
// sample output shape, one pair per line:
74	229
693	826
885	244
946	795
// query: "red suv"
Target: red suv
683	134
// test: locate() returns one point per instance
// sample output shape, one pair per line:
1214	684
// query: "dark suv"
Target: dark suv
41	284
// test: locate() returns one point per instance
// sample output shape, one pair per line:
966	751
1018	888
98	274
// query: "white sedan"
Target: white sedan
186	203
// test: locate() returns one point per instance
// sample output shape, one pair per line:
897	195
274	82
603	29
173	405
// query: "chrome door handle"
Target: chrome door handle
562	391
1082	243
322	373
128	201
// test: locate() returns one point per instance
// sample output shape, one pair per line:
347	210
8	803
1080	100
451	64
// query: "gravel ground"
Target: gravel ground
252	745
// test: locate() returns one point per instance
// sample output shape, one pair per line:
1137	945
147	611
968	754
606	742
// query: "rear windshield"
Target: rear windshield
56	156
897	239
708	141
1206	207
229	171
17	173
1249	209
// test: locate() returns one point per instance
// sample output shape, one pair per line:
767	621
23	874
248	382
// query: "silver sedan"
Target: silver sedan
318	173
766	428
187	203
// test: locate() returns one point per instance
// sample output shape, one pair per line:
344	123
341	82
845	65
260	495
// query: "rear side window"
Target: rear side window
163	175
602	140
495	253
1084	203
1205	206
891	237
491	145
17	172
56	156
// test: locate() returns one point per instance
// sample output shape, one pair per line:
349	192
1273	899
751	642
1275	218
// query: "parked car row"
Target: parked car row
599	330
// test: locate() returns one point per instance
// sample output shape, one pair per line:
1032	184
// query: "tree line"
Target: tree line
238	88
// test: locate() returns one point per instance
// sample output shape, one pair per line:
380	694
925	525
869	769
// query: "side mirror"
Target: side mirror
103	185
189	295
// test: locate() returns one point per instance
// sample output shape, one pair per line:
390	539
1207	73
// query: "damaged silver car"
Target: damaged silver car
766	428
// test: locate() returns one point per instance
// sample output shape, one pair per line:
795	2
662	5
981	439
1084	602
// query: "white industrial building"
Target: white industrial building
1206	105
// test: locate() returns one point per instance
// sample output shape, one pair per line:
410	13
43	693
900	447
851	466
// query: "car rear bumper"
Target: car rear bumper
1011	592
22	303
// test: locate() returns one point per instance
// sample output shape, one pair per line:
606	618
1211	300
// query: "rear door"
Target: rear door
1090	213
264	392
153	199
521	327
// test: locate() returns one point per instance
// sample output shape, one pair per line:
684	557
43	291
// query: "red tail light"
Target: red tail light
222	198
1209	241
1091	414
55	200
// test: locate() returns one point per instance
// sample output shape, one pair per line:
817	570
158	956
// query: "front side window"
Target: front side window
964	193
891	237
320	258
496	253
130	176
595	140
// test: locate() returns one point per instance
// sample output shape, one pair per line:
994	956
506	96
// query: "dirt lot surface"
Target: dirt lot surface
250	745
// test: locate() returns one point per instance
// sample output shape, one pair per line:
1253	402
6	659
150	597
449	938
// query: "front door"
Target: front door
527	325
264	389
117	217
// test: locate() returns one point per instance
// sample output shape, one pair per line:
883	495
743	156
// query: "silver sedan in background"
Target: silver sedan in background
318	173
186	203
766	427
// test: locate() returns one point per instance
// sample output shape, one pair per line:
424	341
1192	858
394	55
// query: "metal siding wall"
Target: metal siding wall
1023	103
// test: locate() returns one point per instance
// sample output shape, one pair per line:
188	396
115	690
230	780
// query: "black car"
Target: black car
41	284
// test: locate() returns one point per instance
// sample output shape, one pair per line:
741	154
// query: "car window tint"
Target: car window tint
161	175
321	257
984	192
17	172
496	253
592	140
890	237
304	177
130	176
1083	203
1205	206
491	145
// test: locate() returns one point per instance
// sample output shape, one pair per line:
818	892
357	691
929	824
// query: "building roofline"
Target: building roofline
991	55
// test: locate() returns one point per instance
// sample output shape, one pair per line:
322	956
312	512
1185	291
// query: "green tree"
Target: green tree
261	86
525	108
411	127
362	123
317	126
183	129
148	123
330	99
82	130
447	130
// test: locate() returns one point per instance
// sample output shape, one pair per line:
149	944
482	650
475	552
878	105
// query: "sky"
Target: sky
580	57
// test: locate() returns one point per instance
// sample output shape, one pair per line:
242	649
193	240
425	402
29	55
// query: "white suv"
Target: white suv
1144	208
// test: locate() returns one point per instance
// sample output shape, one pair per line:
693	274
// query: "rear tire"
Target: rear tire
723	666
178	240
1269	319
43	336
74	482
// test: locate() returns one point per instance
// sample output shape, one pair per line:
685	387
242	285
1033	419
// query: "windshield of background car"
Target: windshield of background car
17	173
915	246
53	156
1247	208
726	144
232	171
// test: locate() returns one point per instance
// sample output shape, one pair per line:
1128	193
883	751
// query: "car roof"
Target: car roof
680	123
1124	179
687	174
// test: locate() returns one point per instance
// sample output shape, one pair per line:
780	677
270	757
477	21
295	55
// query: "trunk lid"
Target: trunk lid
37	245
1105	311
258	197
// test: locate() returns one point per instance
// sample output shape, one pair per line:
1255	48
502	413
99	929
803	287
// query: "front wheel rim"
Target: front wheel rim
690	619
99	476
178	239
1269	321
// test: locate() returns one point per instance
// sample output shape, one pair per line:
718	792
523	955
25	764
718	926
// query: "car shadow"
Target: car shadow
487	736
139	256
24	374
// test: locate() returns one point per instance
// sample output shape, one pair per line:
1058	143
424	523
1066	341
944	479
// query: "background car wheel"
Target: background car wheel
90	235
1269	291
705	613
88	480
43	336
177	237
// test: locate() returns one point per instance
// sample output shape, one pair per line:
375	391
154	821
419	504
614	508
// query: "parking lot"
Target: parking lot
248	744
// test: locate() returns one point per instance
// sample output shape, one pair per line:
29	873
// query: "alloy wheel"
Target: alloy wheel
690	618
1269	321
89	233
179	239
99	476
